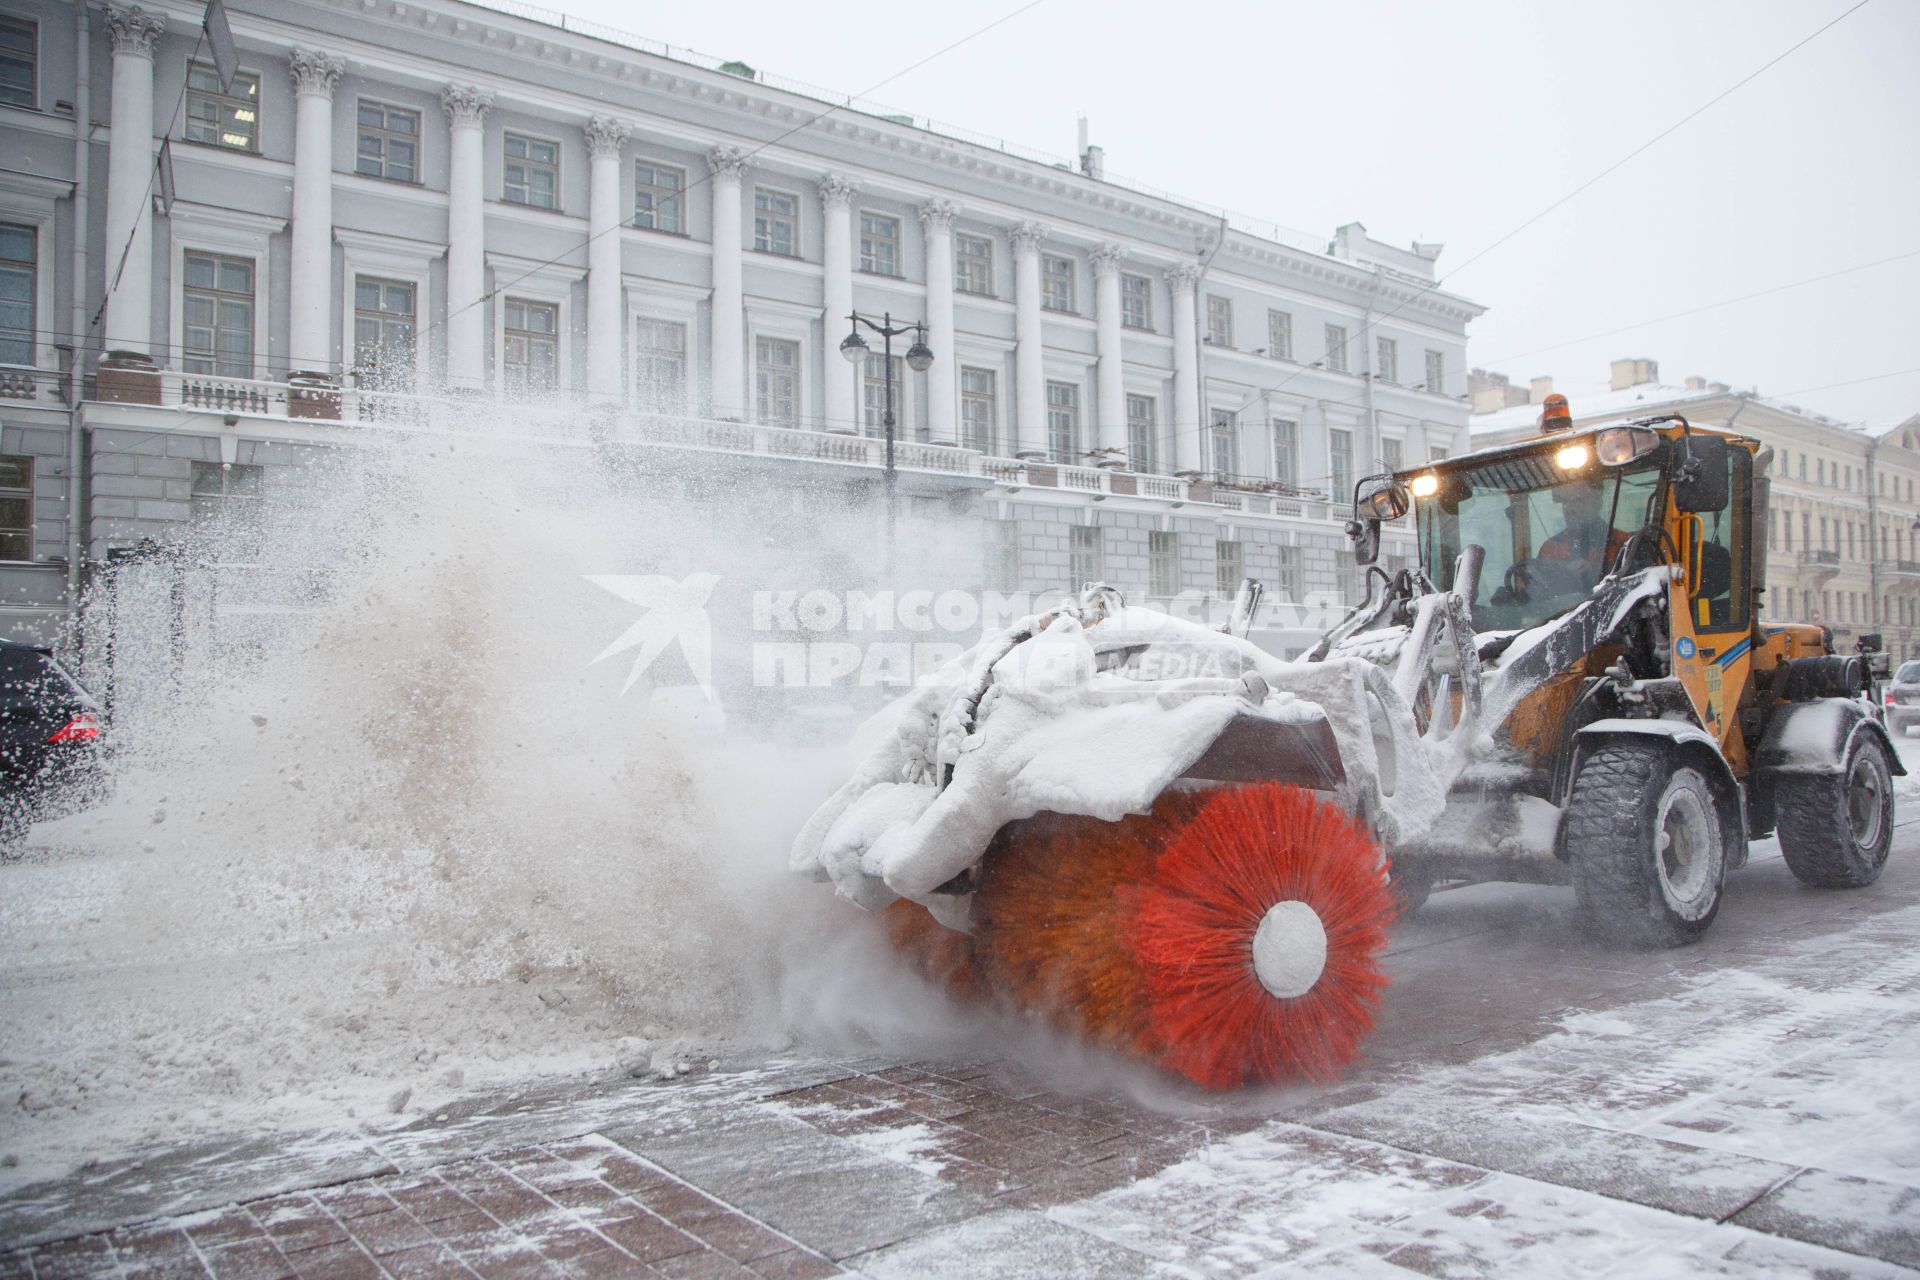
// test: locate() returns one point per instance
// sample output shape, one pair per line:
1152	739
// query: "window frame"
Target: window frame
354	310
387	134
218	297
531	336
510	136
1386	359
1220	321
796	370
1289	473
869	261
677	200
1279	334
23	494
1071	404
1223	425
30	267
1436	371
1142	295
1058	269
1143	461
984	260
1086	556
792	219
228	97
682	403
1336	350
1228	552
1163	563
1340	463
32	29
991	398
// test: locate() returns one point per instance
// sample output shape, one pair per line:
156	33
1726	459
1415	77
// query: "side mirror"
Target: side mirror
1364	533
1381	498
1700	474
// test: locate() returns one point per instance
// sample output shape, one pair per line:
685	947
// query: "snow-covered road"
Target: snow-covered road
1533	1104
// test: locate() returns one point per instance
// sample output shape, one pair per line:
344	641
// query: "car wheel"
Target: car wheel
1648	845
1835	830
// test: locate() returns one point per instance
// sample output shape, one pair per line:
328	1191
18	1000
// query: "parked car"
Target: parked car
49	742
1903	698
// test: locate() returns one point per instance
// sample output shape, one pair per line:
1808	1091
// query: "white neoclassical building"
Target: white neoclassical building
396	206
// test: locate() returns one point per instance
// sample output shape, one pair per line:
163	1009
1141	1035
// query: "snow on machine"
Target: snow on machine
1157	836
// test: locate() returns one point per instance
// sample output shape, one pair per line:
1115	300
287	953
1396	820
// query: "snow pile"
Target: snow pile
404	840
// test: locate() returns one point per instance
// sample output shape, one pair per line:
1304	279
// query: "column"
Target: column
836	199
729	301
133	33
1111	401
1029	434
466	238
310	285
943	385
1183	422
606	200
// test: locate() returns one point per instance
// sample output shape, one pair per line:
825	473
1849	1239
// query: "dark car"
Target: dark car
49	742
1903	698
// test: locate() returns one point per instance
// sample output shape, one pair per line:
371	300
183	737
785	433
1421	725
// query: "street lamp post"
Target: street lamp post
919	359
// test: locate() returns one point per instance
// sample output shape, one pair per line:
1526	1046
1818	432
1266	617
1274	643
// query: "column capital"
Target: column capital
1106	259
134	30
466	105
1027	236
937	214
727	162
837	192
605	136
1183	278
314	73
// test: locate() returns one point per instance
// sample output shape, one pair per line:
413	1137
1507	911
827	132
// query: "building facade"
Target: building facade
1843	536
396	207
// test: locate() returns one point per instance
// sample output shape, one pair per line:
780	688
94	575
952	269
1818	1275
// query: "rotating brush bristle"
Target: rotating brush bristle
1191	926
938	954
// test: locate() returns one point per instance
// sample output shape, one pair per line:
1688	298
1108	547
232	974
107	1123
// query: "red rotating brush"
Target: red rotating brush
1258	932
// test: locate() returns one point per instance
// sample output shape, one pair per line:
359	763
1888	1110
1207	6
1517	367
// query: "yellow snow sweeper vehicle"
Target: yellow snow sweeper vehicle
1159	837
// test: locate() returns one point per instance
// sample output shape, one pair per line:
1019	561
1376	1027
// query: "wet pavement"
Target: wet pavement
1532	1103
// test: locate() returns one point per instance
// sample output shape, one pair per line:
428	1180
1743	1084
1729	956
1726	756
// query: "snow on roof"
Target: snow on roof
1591	403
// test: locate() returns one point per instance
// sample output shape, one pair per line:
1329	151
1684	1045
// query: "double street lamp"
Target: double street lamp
919	359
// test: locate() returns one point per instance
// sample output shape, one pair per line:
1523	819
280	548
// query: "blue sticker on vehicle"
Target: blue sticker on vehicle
1684	646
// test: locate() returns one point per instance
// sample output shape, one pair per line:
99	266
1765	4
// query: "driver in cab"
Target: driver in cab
1587	540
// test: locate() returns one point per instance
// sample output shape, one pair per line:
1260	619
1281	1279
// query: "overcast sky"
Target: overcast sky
1457	123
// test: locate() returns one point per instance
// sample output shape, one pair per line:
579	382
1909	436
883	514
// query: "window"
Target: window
879	244
1229	566
1063	421
1056	282
225	504
18	286
659	197
1337	348
19	64
1393	453
1084	556
1280	335
1136	302
776	222
16	507
1163	563
383	333
660	365
1436	372
977	409
1340	463
1219	321
873	391
1005	552
1286	451
389	142
1287	580
230	119
1141	454
1222	445
530	361
531	172
1386	365
776	377
972	264
1438	453
216	305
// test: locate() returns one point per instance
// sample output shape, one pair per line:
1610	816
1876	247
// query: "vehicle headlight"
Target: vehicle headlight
1618	445
1573	457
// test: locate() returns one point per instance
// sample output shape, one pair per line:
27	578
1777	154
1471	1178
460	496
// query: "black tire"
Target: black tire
1835	831
1412	887
1647	840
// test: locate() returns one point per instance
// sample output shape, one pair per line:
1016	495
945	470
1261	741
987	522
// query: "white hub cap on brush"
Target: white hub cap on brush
1289	949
